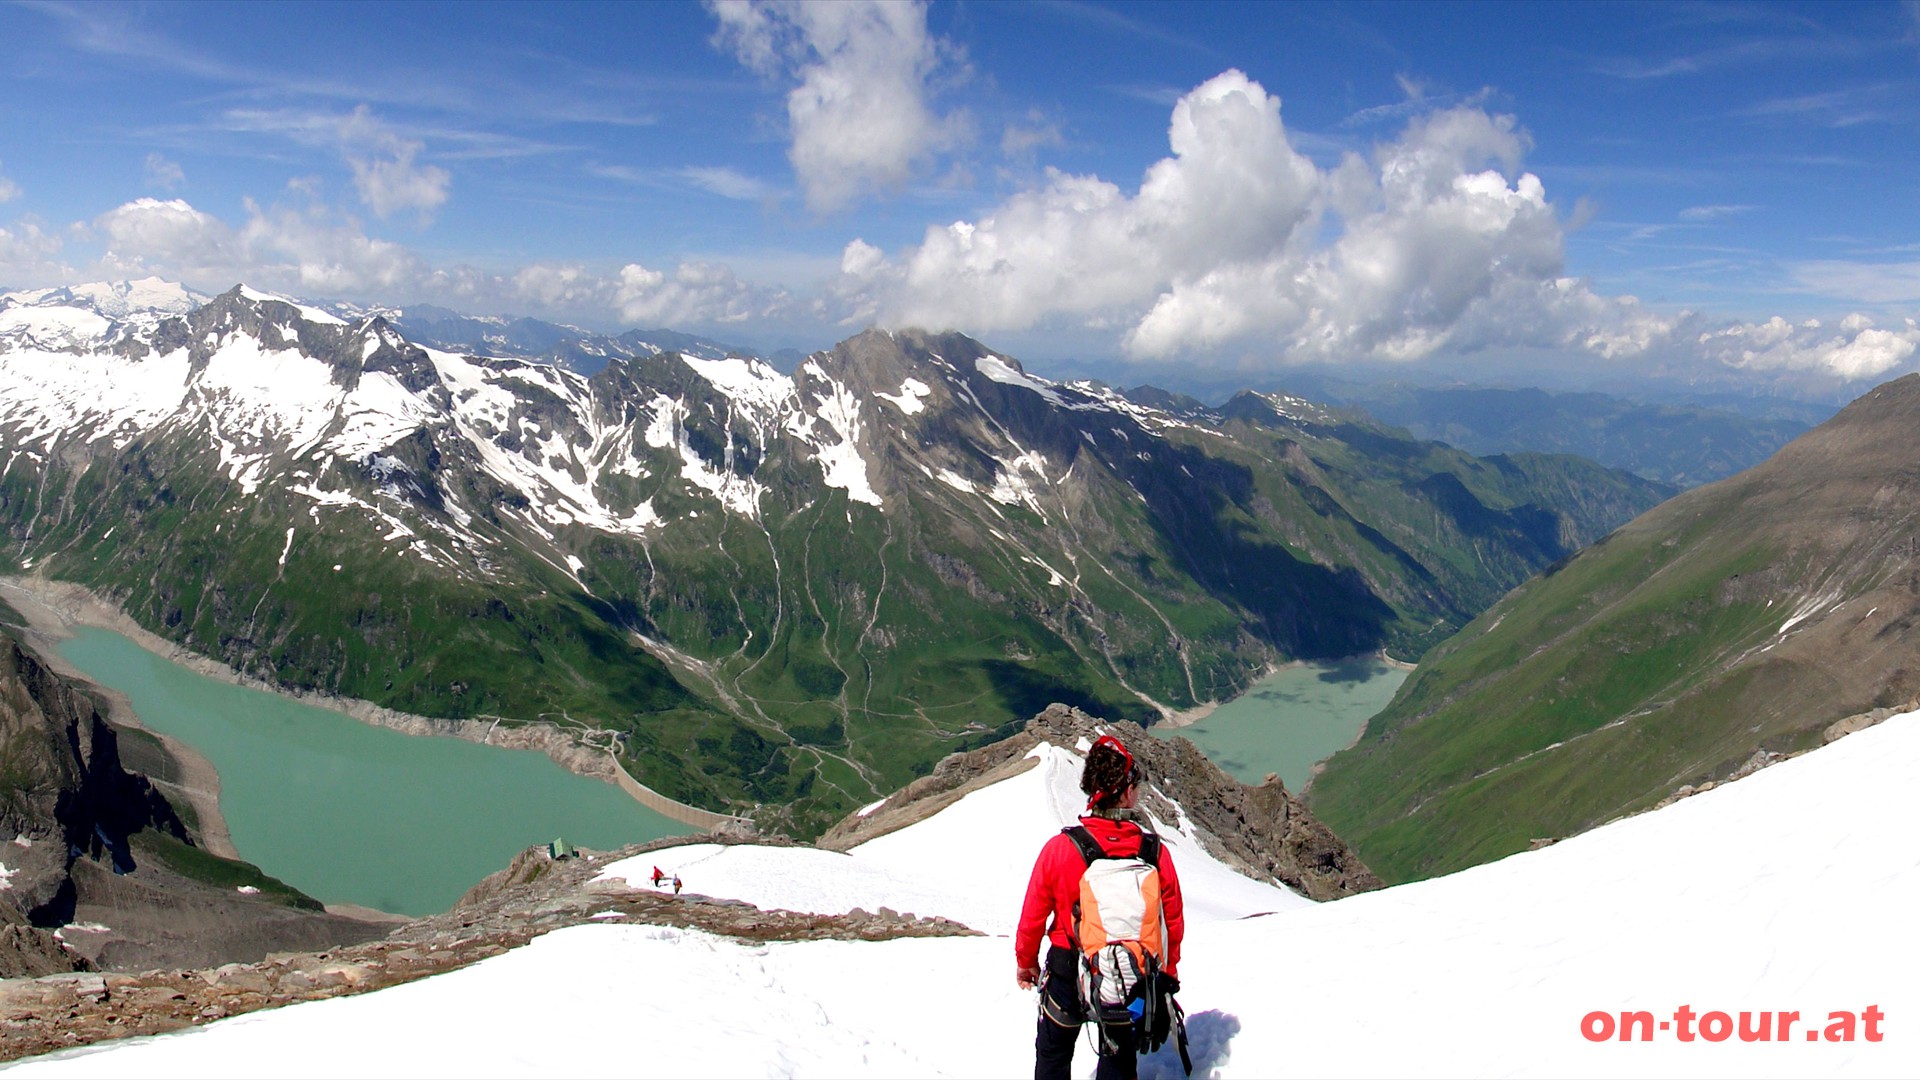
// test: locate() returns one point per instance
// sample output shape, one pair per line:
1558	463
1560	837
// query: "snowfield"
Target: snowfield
1793	889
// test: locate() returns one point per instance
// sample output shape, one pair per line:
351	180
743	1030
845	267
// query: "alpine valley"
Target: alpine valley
1742	622
785	591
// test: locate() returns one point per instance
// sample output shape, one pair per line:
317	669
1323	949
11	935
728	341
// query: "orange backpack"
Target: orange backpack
1121	934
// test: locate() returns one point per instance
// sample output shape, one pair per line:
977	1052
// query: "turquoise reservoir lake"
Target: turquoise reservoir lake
1295	717
352	813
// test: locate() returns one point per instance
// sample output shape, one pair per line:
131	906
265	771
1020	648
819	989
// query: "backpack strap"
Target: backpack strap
1090	848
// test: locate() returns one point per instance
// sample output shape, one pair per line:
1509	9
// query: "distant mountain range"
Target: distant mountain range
1685	445
787	592
1734	623
523	338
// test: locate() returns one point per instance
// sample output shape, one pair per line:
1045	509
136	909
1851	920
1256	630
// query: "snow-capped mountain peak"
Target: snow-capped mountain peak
114	299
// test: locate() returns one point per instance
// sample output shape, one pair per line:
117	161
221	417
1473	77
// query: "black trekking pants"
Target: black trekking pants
1054	1042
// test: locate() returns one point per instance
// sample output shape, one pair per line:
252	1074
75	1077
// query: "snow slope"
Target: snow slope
969	862
1790	890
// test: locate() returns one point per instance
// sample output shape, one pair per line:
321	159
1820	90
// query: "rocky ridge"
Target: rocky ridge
534	895
1264	832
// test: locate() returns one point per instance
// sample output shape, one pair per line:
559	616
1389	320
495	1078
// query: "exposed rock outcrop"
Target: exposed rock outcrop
98	870
63	792
1264	832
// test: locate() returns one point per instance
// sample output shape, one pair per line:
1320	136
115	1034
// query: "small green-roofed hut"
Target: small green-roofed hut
560	849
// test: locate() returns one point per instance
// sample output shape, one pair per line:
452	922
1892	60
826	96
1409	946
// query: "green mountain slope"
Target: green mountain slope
785	594
1740	617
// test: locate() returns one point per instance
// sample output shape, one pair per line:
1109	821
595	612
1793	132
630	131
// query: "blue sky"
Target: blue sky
1707	188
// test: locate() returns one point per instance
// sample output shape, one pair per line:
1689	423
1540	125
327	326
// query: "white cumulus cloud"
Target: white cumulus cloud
9	190
30	256
1439	241
1079	245
304	252
151	233
1850	348
695	292
859	114
312	252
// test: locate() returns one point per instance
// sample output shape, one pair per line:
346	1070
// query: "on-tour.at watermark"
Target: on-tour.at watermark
1716	1026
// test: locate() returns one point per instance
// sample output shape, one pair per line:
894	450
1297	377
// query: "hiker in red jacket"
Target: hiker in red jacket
1111	781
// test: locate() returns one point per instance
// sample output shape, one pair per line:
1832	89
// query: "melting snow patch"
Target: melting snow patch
289	547
1002	372
1009	487
740	494
750	383
870	808
841	465
1808	608
6	876
911	398
955	481
1053	576
248	890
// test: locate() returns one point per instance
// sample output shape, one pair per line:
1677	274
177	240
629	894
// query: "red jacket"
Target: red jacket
1055	885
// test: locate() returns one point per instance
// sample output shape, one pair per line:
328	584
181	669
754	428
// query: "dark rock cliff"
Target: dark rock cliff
91	852
64	796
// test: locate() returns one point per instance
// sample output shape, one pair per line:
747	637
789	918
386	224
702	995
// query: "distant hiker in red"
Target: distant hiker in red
657	875
1133	888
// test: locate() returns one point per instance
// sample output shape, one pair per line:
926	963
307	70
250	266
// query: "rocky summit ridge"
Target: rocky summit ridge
1262	831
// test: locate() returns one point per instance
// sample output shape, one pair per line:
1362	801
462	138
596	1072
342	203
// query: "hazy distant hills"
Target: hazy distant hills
1741	617
1685	445
786	590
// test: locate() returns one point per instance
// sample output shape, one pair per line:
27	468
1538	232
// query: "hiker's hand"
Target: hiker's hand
1028	977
